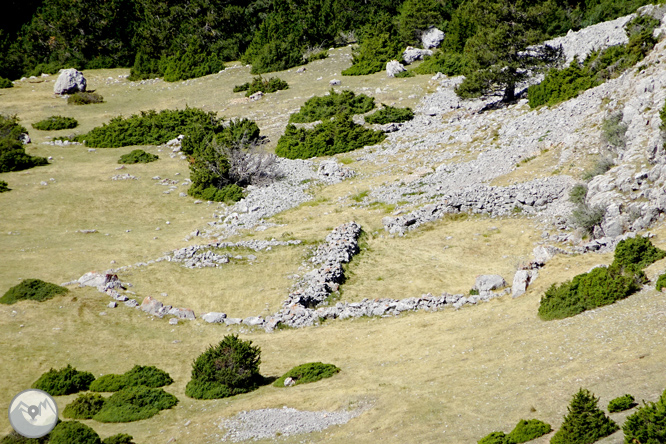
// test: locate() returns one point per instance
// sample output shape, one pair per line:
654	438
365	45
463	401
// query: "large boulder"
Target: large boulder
411	54
394	67
70	81
488	282
521	280
432	38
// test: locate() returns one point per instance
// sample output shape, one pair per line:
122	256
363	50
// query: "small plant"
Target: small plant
403	74
305	373
135	403
585	422
148	376
578	194
73	432
647	424
474	292
65	381
311	56
137	156
227	369
4	187
390	114
493	438
360	196
621	404
527	431
587	217
266	86
322	108
6	83
661	282
84	98
12	153
600	167
54	123
33	290
84	407
120	438
613	131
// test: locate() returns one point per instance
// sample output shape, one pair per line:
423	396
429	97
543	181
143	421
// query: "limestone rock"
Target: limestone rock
394	67
432	38
521	280
214	317
411	54
288	382
334	82
70	81
488	282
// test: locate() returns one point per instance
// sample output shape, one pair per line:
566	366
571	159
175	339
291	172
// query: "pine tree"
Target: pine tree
585	423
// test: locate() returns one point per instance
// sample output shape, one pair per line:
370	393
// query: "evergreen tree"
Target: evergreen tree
585	423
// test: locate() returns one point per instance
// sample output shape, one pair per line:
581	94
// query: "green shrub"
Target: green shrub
227	369
311	372
578	194
585	422
322	108
600	167
272	48
587	217
661	282
377	48
65	381
138	156
4	186
403	74
527	431
228	193
33	290
148	376
560	85
613	131
6	83
621	404
15	438
260	84
135	403
318	55
120	438
648	424
73	432
339	135
416	16
12	153
493	438
637	252
390	114
150	128
448	63
54	123
195	61
84	98
599	287
84	407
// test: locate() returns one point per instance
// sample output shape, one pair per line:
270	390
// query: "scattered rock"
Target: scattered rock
489	282
394	67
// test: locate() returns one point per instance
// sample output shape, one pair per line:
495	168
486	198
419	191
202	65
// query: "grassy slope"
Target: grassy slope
452	376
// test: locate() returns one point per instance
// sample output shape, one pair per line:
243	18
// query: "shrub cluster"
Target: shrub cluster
12	153
4	186
32	290
322	108
120	438
138	156
647	424
390	114
84	407
54	123
585	422
6	83
316	55
449	63
15	438
377	48
599	66
150	128
84	98
524	431
339	135
613	131
148	376
194	61
266	86
661	282
602	286
227	369
134	403
621	404
73	432
311	372
65	381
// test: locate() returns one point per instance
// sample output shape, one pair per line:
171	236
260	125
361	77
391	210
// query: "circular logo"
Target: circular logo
33	413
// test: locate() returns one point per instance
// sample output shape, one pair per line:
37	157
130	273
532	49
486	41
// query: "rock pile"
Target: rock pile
201	256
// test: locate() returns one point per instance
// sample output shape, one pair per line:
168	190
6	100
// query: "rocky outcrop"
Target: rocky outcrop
411	54
70	81
432	38
394	67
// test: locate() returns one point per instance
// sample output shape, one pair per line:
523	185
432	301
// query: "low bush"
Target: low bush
322	108
621	404
55	123
84	407
84	98
377	48
560	85
138	156
73	432
637	252
585	422
600	167
315	55
648	424
448	63
15	438
493	438
6	83
305	373
4	186
120	438
227	194
65	381
613	131
151	128
390	114
227	369
266	86
587	217
148	376
339	135
527	431
194	61
12	153
32	290
578	194
135	403
403	74
661	282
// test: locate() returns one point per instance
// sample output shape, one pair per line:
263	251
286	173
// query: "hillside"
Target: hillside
462	190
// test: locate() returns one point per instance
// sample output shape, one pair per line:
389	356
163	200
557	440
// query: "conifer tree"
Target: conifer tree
585	423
